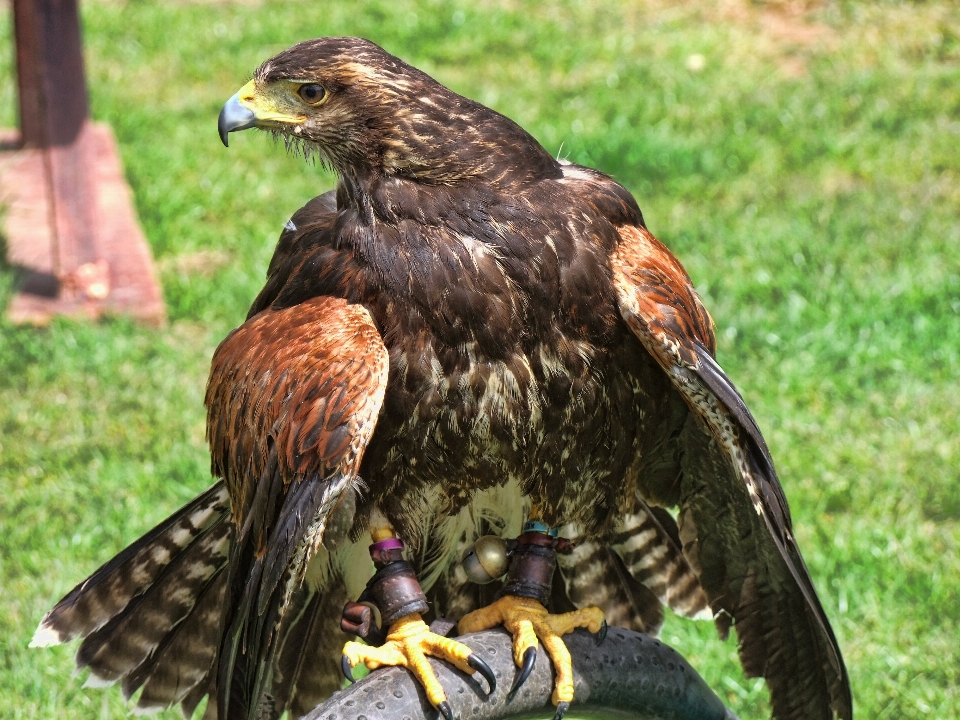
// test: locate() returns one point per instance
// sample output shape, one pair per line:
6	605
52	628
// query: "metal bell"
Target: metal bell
486	560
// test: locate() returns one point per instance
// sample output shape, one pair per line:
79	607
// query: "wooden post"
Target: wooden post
54	119
50	75
69	219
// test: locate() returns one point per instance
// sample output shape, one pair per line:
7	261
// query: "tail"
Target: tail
632	574
150	617
153	616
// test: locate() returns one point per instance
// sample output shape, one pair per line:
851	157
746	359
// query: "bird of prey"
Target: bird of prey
467	335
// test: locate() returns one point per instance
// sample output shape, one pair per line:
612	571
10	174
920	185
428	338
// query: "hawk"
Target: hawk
466	335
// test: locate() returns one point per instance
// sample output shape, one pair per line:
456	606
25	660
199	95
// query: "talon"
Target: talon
531	625
602	633
347	669
445	710
529	660
481	667
562	708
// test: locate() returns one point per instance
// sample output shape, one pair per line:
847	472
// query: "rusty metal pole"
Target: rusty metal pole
54	118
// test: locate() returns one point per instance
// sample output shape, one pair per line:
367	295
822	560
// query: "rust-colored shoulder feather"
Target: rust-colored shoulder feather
307	379
663	300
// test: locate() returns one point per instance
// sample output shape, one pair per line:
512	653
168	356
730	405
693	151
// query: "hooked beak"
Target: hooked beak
264	108
234	116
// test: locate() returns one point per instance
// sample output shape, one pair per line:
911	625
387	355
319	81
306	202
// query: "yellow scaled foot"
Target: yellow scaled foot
528	620
408	644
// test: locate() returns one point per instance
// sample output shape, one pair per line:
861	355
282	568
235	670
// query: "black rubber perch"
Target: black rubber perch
630	673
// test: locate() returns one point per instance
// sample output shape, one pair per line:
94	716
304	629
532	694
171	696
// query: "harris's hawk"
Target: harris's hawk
467	334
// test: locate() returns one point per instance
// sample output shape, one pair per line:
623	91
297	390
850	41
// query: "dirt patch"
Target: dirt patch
788	22
204	263
786	32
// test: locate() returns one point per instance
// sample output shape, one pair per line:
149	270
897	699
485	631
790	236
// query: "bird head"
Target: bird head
364	111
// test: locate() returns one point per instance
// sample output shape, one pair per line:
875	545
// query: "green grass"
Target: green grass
808	176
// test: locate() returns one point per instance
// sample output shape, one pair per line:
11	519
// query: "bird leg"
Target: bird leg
521	609
396	593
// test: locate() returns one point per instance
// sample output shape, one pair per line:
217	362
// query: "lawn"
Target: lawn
803	161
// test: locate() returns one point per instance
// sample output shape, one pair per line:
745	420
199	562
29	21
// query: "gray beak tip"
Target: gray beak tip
233	117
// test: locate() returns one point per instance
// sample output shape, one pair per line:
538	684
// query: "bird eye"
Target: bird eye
312	94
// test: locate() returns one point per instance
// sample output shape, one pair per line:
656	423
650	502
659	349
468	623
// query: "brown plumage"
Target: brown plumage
466	326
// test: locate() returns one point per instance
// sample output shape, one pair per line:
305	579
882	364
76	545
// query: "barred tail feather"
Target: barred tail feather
632	574
594	574
185	656
105	594
650	547
151	615
204	688
131	637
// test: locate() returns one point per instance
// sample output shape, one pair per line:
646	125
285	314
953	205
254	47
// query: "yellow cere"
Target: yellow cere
274	104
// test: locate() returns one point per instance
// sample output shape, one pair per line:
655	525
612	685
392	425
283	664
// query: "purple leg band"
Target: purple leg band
388	544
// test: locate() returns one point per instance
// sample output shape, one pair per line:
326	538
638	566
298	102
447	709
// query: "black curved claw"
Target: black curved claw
529	660
481	667
562	708
445	710
602	633
346	669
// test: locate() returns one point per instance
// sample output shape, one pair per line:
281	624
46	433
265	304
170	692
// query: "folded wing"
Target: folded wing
292	402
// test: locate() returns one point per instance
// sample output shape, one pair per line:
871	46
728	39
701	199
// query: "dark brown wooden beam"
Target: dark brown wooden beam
50	74
69	219
53	118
